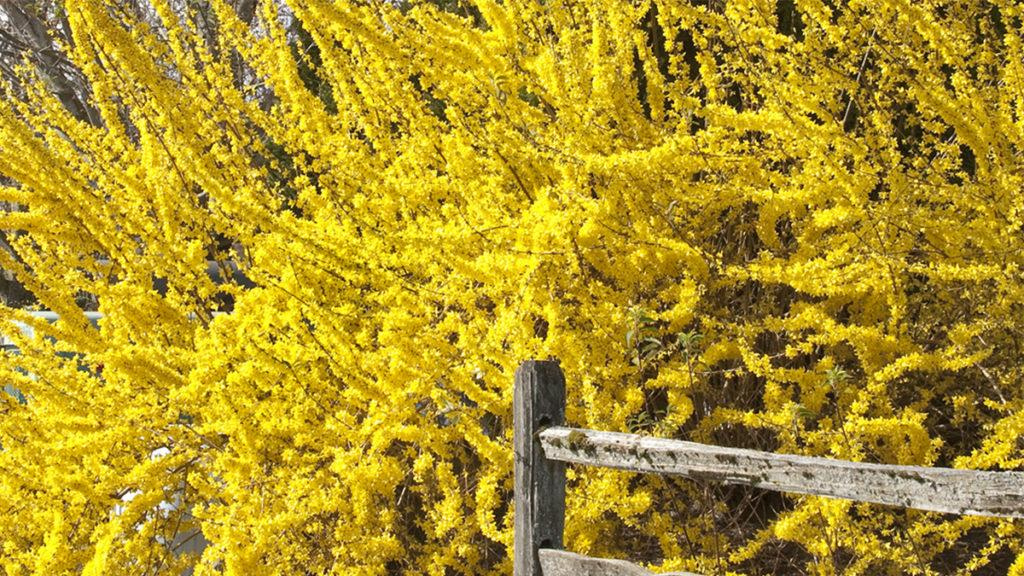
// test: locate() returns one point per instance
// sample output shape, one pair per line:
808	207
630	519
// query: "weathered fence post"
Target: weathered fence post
539	483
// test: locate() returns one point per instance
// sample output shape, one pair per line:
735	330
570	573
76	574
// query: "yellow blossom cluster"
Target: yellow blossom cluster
791	225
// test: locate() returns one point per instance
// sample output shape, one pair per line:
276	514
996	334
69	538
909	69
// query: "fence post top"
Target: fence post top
550	361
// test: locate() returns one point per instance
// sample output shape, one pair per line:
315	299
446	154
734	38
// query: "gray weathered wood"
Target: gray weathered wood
936	489
562	563
539	483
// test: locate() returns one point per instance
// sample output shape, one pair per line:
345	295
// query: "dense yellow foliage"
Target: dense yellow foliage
796	227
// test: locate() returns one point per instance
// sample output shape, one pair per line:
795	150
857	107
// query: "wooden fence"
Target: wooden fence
543	446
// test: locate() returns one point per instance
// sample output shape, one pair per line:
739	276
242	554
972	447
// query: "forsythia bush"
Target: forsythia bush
792	226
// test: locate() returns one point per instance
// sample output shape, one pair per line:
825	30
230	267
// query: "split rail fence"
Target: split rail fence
544	445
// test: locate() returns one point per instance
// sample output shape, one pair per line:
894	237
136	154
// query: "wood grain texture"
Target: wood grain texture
935	489
539	482
562	563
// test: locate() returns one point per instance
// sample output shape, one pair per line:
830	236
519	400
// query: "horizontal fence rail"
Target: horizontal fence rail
562	563
945	490
544	445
